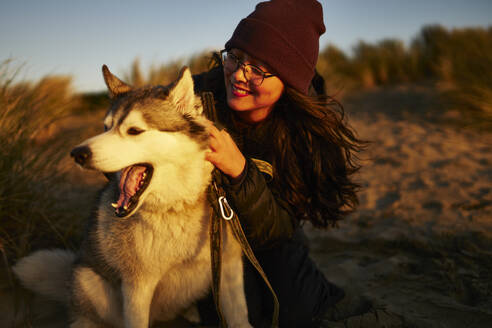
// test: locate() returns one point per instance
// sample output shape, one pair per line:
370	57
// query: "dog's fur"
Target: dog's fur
147	259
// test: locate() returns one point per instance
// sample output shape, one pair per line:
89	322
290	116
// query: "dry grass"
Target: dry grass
38	208
166	73
29	174
458	61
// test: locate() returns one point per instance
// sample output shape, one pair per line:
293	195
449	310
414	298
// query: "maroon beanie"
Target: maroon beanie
284	34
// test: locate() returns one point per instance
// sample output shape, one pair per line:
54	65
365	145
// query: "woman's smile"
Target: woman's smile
238	91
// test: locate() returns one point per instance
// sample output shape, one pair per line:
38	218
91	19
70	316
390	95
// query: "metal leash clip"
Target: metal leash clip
224	207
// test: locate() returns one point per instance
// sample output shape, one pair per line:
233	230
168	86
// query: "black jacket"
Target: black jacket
264	215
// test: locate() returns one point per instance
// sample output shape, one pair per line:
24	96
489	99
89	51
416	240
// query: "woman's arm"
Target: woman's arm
264	217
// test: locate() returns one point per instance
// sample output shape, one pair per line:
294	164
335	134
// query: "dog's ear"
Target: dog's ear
115	85
181	92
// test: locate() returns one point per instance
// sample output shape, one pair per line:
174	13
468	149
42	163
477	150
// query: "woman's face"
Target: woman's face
252	103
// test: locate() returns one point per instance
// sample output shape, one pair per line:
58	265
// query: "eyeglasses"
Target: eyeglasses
252	73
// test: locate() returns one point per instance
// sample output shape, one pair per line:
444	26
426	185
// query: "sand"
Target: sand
420	242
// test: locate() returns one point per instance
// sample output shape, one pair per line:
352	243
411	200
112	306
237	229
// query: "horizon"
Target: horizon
71	38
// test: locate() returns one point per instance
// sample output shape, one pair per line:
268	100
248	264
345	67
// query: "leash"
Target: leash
222	211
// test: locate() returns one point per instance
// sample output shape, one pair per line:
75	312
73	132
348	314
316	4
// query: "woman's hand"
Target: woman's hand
225	154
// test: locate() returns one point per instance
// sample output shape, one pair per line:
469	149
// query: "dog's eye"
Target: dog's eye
105	128
133	131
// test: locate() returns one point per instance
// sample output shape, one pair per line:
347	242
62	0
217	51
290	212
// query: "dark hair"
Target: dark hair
314	151
315	156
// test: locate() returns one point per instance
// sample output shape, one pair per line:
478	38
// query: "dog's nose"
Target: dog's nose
81	154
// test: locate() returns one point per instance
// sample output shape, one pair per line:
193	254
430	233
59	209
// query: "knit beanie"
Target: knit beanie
284	34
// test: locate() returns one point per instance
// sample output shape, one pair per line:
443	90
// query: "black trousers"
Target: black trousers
302	290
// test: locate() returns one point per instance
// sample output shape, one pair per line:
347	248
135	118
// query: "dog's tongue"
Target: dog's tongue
130	179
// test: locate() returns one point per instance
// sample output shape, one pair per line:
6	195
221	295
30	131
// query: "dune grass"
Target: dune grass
457	61
29	172
465	70
165	73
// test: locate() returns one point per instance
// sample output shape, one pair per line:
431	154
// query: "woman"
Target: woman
274	108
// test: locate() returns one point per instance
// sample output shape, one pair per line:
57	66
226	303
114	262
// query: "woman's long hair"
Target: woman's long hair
314	152
315	156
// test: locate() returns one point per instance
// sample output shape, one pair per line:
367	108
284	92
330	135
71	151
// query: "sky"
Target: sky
74	37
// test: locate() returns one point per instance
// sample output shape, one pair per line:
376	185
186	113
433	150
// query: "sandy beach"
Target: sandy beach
420	242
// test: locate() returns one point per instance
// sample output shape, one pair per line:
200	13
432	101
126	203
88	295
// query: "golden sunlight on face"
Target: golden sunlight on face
252	103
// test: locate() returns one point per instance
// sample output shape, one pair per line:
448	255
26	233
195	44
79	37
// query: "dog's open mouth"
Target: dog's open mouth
133	182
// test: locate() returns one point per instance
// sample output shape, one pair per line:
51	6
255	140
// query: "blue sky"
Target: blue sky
77	37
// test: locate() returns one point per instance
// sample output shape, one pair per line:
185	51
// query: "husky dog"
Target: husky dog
146	255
